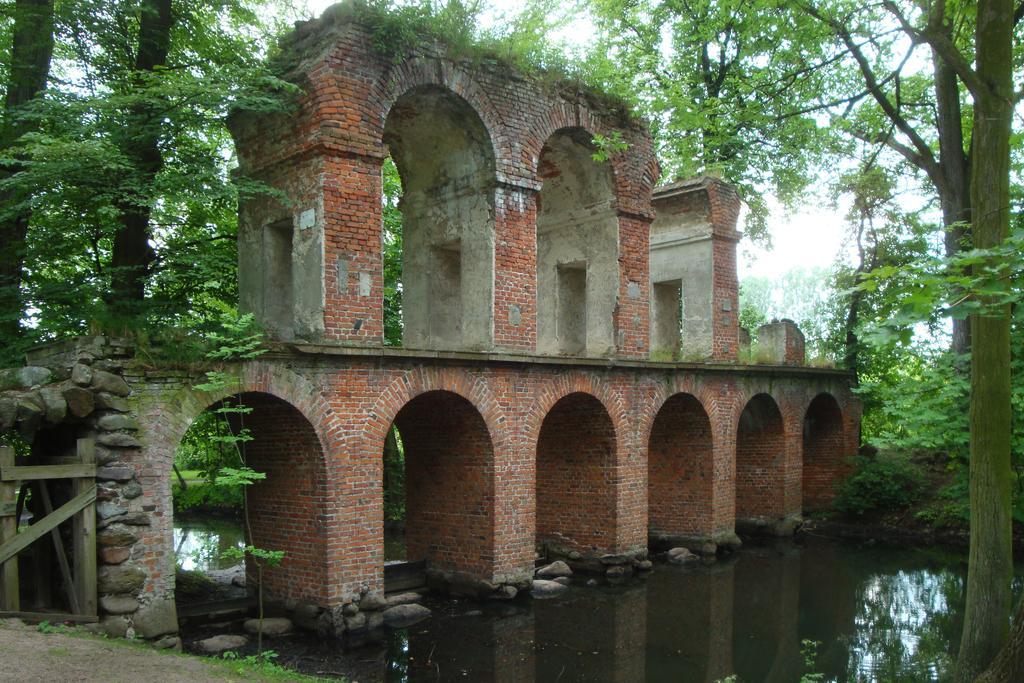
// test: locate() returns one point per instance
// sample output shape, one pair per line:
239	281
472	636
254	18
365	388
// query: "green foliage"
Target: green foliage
204	496
394	477
205	446
607	146
809	652
933	287
724	95
391	245
882	484
47	627
918	404
269	558
78	172
263	663
238	476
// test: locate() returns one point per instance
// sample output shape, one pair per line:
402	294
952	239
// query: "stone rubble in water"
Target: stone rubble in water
543	588
403	599
681	556
272	626
554	570
401	616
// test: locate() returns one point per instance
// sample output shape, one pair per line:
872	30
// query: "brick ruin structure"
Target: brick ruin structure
570	379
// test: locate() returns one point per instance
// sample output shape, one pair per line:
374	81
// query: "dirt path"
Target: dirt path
29	655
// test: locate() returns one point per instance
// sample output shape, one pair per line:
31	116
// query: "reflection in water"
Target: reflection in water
201	546
877	614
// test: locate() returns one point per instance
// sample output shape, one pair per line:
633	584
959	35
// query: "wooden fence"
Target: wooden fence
78	574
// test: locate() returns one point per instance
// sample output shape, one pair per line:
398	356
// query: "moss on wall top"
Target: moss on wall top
449	32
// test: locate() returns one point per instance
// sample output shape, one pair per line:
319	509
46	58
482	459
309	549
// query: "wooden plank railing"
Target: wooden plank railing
79	575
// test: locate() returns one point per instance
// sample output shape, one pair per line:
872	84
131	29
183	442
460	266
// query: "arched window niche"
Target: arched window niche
577	249
445	159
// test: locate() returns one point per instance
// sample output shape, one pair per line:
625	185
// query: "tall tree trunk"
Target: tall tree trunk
132	254
31	51
955	196
1009	663
990	567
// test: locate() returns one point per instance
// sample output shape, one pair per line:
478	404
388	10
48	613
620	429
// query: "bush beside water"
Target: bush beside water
887	482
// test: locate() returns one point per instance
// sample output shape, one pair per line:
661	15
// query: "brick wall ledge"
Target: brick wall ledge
283	350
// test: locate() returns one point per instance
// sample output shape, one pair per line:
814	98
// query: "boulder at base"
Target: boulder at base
276	626
222	643
681	556
546	589
403	599
554	570
408	614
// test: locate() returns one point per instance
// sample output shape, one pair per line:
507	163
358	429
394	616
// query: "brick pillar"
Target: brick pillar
515	268
725	209
780	342
632	325
723	455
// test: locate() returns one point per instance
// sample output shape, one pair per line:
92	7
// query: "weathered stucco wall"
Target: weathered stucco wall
693	268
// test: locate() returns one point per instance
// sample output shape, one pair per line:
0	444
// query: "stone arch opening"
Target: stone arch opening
760	455
445	159
577	248
286	508
823	451
449	484
679	471
576	478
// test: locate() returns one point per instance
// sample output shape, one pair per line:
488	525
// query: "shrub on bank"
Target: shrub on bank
883	483
202	495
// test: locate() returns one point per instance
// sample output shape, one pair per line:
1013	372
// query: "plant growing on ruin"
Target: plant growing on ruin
607	146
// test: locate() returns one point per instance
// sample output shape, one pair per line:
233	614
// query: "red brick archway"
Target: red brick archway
576	496
680	469
449	460
760	460
824	446
287	506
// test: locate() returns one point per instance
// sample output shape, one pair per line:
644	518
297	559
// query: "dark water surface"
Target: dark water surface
876	613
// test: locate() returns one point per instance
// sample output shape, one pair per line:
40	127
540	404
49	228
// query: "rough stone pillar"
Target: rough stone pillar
693	249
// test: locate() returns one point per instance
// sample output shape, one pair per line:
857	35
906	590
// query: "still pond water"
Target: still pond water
877	613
